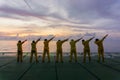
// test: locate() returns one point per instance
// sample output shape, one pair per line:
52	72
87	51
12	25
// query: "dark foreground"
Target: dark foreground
10	70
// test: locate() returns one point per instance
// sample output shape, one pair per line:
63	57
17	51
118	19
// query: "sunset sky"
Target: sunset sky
60	18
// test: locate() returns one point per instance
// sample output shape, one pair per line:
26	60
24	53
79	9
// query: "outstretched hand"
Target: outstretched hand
106	35
39	38
81	37
26	40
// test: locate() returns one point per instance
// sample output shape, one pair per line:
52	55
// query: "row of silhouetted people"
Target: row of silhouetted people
59	52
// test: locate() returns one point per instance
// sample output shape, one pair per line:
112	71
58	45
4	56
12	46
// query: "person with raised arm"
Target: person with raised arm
20	51
86	49
99	43
46	49
73	49
59	51
34	50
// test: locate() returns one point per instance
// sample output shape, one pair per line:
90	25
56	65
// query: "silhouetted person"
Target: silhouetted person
34	50
73	49
46	49
99	43
59	50
20	51
86	49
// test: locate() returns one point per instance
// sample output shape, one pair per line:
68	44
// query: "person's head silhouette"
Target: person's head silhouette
19	41
96	39
72	39
33	41
45	39
83	40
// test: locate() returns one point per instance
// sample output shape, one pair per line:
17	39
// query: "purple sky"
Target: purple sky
62	18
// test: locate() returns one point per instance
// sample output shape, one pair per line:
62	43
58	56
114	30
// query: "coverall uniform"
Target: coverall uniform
99	43
46	50
59	51
34	51
86	49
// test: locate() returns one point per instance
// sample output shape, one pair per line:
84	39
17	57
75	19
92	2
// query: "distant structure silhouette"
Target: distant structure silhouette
20	51
86	49
34	50
99	43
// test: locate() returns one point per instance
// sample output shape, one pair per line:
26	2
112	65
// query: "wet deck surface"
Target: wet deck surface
10	70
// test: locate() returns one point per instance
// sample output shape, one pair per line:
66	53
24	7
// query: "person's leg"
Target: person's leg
84	59
102	54
61	57
36	58
17	56
48	55
57	56
99	53
31	56
75	54
89	55
70	56
43	57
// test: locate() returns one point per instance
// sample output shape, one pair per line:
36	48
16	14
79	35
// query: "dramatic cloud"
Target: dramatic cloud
61	17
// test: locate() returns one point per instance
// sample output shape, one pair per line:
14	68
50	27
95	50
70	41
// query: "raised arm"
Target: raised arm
51	38
78	39
38	40
104	37
65	40
24	41
90	39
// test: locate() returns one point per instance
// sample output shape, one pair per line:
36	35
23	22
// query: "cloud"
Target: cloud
63	18
19	12
64	9
6	33
77	15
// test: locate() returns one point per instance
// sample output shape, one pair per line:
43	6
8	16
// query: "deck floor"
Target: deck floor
10	70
